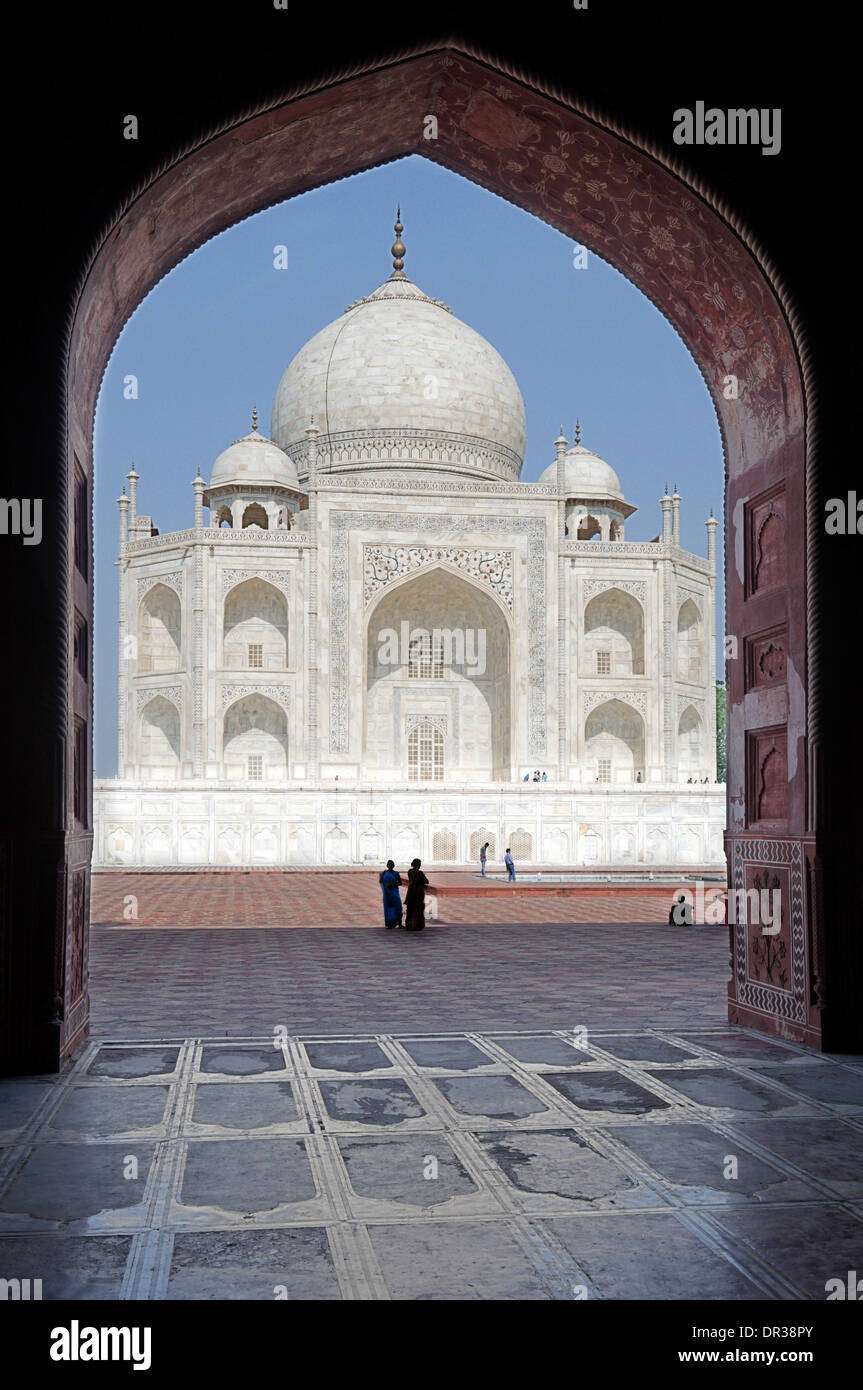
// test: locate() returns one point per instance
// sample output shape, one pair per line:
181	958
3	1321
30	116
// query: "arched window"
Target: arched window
425	753
224	518
254	515
588	528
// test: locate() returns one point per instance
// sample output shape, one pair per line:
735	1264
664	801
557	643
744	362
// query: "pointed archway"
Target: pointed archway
608	191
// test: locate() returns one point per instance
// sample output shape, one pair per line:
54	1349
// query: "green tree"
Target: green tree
720	731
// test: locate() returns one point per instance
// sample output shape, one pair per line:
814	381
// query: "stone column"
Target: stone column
675	515
562	644
125	655
667	646
312	739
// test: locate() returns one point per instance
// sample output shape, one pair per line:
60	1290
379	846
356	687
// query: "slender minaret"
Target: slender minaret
133	495
665	504
312	741
711	523
667	649
562	648
675	516
123	502
198	485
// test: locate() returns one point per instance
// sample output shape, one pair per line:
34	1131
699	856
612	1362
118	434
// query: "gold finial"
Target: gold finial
398	249
254	418
577	432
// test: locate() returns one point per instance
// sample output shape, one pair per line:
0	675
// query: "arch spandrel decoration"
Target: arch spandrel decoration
384	563
637	588
685	701
591	698
232	579
437	721
229	694
174	581
172	693
691	595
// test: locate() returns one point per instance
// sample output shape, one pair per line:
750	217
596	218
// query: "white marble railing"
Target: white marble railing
210	535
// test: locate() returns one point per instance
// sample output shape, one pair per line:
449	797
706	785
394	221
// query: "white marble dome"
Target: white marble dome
400	364
254	459
587	475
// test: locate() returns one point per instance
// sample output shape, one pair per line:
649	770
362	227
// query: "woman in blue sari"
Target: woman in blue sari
390	882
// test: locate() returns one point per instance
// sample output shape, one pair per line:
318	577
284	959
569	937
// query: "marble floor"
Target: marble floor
694	1161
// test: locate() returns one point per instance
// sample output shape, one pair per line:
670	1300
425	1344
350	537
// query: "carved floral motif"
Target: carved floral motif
384	563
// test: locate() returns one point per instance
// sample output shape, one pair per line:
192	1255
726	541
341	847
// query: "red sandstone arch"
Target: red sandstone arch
603	188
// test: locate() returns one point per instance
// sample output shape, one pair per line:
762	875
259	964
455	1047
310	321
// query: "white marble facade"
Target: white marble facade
381	633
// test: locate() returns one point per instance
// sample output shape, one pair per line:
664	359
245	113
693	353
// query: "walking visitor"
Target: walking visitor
510	866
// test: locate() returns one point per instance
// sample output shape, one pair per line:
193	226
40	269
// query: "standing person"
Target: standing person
510	866
416	897
482	857
390	882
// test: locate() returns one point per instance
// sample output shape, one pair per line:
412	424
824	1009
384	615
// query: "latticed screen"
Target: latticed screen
425	662
425	754
603	770
444	847
256	767
521	844
603	663
256	654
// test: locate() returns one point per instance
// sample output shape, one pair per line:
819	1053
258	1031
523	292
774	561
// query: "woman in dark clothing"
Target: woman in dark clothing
390	882
416	897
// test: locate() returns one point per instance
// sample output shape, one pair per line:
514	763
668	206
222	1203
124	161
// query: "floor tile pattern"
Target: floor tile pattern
544	1164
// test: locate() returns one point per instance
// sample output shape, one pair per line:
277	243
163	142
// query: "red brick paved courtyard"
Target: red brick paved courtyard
243	953
353	899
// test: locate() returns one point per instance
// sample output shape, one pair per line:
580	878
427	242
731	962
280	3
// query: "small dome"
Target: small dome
587	475
254	459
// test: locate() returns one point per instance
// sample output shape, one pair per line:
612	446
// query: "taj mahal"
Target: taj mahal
375	641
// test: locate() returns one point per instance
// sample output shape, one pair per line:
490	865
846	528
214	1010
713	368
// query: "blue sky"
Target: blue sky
214	337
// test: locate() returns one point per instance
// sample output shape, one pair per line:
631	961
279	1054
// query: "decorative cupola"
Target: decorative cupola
595	505
253	484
